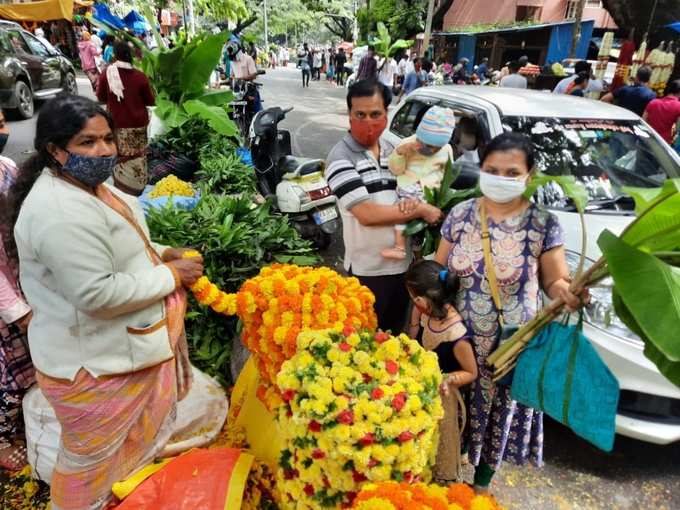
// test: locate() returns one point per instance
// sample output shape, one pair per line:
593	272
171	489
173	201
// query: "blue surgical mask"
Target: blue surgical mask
90	170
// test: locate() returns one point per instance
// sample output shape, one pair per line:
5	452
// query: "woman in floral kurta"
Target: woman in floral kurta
528	255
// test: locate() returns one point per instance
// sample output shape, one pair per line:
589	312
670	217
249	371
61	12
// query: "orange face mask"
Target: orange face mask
367	131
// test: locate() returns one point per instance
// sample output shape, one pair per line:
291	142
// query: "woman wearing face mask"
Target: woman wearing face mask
107	333
16	370
526	254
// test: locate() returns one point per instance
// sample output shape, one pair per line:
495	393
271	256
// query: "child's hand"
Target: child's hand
409	148
444	388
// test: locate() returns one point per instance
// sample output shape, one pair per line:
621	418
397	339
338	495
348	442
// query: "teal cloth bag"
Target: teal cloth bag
561	374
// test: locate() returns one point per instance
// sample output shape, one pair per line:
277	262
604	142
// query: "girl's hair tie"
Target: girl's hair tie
443	275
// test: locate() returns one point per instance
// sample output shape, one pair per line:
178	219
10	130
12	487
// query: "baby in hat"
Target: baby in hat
419	162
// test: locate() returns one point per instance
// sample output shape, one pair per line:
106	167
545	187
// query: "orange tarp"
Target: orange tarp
43	10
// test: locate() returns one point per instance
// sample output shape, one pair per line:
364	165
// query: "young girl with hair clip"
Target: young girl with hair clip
433	290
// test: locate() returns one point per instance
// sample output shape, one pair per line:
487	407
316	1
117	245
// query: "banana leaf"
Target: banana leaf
200	59
575	191
218	98
657	228
216	116
170	113
650	290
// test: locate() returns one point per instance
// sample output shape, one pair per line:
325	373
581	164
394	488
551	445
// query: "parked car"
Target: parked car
606	148
30	70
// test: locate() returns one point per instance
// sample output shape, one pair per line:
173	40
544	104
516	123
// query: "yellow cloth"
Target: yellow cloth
43	10
251	415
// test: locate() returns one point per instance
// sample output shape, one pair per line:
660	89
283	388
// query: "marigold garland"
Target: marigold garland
358	407
283	300
391	495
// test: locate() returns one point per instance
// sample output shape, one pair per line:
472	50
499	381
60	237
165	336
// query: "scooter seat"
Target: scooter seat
300	166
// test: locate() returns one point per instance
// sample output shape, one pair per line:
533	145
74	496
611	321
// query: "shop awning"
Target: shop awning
43	10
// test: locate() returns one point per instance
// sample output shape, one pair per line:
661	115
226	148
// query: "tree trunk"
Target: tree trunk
440	11
576	35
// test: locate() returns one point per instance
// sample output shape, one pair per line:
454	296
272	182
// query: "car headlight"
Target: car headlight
600	311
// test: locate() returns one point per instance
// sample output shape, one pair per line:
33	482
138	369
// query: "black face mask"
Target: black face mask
3	141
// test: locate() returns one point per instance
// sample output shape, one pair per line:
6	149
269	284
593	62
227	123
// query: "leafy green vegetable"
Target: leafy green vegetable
236	238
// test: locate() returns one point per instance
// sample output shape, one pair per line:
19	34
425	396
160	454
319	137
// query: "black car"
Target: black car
30	69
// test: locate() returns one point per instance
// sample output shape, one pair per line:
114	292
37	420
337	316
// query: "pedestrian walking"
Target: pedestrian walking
88	53
16	369
634	97
340	61
316	65
368	67
663	114
528	242
358	175
330	72
305	61
107	45
127	93
387	72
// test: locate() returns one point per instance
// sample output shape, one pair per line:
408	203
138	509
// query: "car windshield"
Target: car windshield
604	155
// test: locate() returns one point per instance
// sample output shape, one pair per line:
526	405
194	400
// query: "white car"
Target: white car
605	147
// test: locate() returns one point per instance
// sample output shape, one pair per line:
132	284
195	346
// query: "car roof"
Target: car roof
9	24
532	103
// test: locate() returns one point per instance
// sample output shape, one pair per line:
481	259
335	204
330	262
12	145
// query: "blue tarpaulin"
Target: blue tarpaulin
675	26
560	41
136	22
104	15
466	49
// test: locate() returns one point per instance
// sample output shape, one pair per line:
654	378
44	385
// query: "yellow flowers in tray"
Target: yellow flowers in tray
358	407
172	185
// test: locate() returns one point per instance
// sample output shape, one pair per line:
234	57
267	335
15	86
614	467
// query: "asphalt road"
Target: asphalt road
576	475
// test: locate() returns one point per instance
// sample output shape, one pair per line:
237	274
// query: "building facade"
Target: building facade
471	12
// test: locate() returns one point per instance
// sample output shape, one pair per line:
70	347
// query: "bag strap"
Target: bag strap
571	365
489	270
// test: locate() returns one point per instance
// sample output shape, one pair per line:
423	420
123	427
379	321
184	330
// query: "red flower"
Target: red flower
381	337
399	401
367	440
367	378
345	347
358	477
408	477
372	462
405	436
309	490
288	395
351	495
346	417
377	394
314	426
318	453
290	474
348	330
392	367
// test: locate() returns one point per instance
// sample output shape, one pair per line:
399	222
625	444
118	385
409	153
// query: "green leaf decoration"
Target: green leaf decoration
219	98
170	113
216	117
650	290
200	61
414	227
571	187
658	226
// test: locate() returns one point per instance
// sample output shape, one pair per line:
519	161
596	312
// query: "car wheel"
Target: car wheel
70	84
24	97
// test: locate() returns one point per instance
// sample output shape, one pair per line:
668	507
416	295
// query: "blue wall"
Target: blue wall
466	48
560	41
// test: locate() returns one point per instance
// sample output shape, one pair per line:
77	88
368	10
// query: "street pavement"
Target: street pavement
576	476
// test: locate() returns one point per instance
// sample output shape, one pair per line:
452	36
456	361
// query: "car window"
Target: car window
18	42
405	122
37	48
604	155
5	46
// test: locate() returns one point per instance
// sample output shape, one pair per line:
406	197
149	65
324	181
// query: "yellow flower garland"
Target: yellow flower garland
283	300
358	407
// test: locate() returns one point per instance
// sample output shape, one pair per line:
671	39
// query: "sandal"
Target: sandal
14	460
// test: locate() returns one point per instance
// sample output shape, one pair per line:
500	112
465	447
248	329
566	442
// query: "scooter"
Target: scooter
296	185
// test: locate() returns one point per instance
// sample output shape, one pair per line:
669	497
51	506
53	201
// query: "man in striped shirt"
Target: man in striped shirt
357	172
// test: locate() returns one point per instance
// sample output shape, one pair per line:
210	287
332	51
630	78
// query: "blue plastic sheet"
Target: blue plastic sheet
104	15
181	202
245	155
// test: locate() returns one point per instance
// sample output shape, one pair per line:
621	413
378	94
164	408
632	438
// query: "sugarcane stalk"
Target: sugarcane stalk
509	351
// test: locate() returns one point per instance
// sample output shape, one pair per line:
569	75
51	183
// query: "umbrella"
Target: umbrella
675	26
